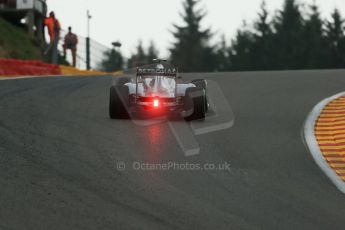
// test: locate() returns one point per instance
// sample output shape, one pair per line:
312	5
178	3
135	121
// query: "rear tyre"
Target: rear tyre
202	83
123	80
118	102
195	104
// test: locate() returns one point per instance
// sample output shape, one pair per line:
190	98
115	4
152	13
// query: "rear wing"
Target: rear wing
156	70
166	71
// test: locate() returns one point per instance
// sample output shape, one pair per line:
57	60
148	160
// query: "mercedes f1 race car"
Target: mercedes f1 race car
157	89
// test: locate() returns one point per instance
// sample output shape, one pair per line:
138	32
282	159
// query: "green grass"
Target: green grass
15	43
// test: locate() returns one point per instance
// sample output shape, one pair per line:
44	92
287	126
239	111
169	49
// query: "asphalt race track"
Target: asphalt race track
59	157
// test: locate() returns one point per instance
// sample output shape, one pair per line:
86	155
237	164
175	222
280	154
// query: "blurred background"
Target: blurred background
196	35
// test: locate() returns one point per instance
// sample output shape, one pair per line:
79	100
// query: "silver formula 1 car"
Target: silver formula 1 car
157	89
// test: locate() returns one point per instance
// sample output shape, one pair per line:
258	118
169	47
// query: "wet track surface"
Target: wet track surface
59	157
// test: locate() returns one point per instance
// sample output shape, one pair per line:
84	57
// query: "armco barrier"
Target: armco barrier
13	67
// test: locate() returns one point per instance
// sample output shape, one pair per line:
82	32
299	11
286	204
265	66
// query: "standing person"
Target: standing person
71	42
54	28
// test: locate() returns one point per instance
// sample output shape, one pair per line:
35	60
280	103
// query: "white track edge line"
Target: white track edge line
310	138
24	77
49	76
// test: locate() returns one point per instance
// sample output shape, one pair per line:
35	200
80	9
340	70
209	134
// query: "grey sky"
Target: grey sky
131	20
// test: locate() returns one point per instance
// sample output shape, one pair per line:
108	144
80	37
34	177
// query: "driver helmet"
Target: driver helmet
159	66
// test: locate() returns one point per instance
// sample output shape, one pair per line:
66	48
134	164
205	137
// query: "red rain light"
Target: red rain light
156	103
